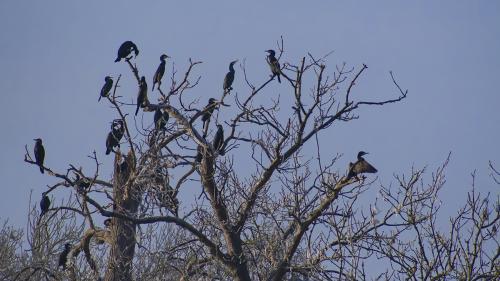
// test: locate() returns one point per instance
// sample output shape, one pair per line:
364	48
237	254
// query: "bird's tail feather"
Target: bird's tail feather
41	170
117	59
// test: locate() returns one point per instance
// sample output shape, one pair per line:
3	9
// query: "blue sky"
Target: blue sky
54	56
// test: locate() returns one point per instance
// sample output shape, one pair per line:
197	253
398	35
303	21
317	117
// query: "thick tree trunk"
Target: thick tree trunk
122	231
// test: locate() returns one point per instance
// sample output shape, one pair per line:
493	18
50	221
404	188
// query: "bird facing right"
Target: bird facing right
125	49
360	167
159	71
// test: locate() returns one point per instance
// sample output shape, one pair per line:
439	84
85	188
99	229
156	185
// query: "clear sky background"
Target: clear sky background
55	54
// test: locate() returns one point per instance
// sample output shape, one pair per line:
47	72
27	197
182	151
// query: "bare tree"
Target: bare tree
282	213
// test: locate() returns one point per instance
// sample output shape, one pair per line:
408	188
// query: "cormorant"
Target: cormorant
160	119
219	139
108	84
142	96
160	71
274	64
114	137
359	167
39	152
125	49
63	257
44	204
228	80
199	154
207	112
108	222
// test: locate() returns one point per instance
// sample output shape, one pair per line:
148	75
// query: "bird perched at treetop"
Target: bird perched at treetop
44	204
228	80
39	152
125	49
159	71
106	88
360	167
63	257
142	96
219	140
274	64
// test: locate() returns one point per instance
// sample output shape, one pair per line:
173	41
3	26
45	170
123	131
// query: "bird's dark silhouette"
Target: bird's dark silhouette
207	113
39	152
228	80
106	88
125	49
159	71
44	204
274	64
219	140
160	119
360	167
114	137
63	257
142	96
108	222
199	154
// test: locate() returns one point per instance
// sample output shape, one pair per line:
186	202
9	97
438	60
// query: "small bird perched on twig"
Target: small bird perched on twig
39	152
106	88
159	71
360	167
274	64
142	96
125	49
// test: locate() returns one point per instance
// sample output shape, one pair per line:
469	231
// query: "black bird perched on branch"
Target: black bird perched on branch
108	84
207	113
142	96
228	80
359	167
114	137
39	152
125	49
199	154
274	64
160	71
63	257
219	140
44	204
160	119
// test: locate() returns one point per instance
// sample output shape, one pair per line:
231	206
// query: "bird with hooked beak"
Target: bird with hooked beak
160	71
274	64
360	167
